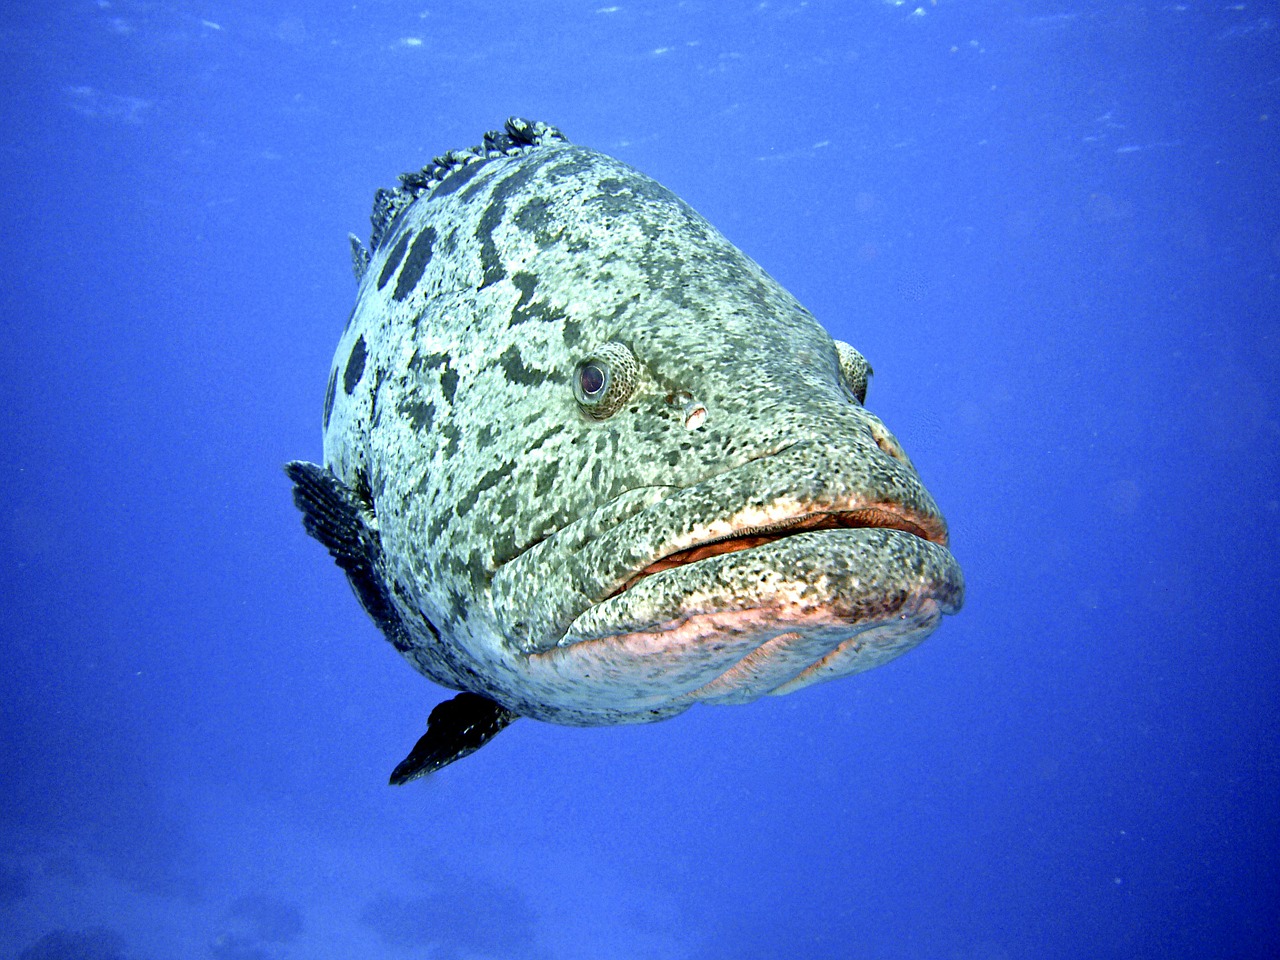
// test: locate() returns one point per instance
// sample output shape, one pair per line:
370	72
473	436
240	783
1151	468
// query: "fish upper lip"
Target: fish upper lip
861	516
770	496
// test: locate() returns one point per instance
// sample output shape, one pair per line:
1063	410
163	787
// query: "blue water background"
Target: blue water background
1053	228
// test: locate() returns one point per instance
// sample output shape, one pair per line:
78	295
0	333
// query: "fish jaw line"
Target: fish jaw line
536	595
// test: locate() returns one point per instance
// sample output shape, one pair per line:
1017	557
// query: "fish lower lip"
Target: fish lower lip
861	518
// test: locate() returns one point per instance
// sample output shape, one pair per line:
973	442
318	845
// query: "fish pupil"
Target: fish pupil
591	379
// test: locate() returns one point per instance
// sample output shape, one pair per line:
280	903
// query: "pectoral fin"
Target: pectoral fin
335	515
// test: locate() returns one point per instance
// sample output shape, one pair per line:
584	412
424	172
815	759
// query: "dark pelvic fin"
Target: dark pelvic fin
456	728
336	515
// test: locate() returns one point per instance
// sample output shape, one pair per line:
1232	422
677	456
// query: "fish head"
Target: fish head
617	469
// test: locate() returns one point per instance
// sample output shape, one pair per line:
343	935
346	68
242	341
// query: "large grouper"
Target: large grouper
586	462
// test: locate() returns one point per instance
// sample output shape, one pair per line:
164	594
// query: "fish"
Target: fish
586	462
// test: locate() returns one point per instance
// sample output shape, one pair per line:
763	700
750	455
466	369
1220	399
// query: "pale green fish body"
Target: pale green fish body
588	461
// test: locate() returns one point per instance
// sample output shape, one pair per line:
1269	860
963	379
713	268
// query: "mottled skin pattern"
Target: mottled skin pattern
510	519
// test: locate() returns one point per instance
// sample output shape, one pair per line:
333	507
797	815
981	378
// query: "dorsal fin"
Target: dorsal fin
516	136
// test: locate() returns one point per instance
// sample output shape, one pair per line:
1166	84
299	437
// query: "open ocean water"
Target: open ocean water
1052	227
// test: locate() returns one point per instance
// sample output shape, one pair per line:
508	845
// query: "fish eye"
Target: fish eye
605	379
592	380
855	372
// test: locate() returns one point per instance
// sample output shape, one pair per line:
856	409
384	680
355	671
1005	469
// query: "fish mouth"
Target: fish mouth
809	526
880	516
811	599
815	534
794	569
